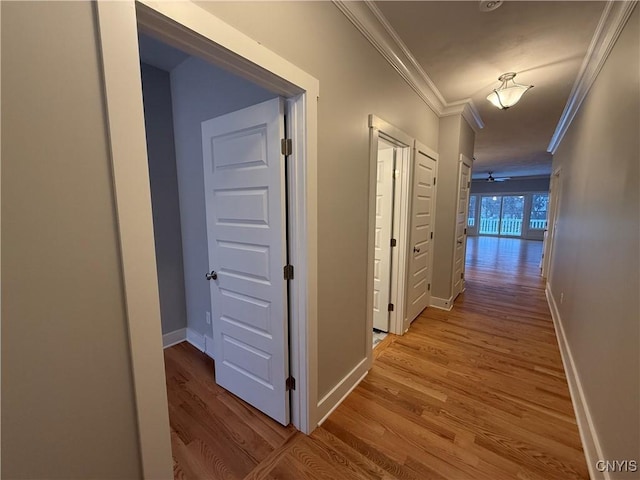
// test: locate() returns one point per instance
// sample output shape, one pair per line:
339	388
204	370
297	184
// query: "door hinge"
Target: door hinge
462	275
393	242
288	272
390	307
290	383
434	181
286	146
431	235
465	231
468	184
428	287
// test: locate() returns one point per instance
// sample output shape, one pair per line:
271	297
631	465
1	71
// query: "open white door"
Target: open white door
464	185
246	221
383	232
423	201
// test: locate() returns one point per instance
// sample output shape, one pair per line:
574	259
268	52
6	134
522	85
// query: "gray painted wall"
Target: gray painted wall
158	117
355	81
68	407
200	92
596	259
511	186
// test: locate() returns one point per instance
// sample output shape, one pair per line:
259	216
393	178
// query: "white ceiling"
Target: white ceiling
464	51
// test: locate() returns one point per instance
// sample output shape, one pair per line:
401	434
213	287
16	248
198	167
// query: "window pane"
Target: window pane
512	214
538	217
490	215
471	221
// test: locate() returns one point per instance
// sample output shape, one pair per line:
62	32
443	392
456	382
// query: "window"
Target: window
502	215
512	214
471	221
538	216
490	215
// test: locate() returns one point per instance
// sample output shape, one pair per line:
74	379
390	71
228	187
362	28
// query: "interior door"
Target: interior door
383	233
464	183
246	222
421	236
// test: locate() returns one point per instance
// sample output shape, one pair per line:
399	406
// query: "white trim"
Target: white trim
173	338
588	433
398	322
442	303
612	21
204	343
118	42
186	25
370	21
463	160
336	396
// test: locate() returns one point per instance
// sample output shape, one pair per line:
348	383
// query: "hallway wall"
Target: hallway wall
595	266
161	150
355	81
68	408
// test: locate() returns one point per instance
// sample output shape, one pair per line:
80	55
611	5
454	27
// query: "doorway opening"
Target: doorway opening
390	151
218	194
212	40
402	196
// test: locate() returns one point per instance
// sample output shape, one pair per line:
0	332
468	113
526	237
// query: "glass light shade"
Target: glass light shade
509	93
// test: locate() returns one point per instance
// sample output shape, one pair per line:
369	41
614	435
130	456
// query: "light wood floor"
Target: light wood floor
475	393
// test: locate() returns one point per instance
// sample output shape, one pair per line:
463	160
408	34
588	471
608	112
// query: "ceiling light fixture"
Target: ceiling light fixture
509	93
489	5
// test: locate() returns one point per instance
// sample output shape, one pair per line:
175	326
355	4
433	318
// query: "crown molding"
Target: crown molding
370	21
612	21
468	110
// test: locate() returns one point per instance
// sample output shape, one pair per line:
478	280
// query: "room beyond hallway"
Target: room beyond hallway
504	260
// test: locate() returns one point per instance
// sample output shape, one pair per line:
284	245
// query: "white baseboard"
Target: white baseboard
172	338
204	343
335	397
442	303
588	434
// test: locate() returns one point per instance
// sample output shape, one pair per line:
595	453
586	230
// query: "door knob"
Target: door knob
211	276
416	250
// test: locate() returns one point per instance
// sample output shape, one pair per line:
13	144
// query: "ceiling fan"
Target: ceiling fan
492	179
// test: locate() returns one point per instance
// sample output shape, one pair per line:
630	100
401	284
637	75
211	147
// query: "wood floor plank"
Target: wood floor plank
478	392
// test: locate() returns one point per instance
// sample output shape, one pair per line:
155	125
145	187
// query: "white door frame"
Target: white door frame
464	160
397	322
189	27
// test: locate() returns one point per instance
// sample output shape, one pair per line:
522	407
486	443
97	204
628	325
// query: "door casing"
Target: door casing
378	128
188	27
464	161
385	174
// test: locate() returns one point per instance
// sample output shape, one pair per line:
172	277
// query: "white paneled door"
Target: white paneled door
421	235
464	183
244	180
383	233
